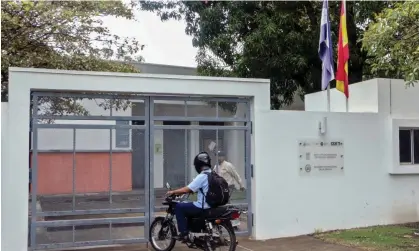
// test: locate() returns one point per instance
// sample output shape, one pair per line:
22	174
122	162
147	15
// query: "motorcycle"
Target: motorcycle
206	231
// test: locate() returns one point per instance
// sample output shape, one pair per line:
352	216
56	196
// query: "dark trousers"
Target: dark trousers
184	211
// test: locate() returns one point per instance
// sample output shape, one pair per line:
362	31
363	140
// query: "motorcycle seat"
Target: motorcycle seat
214	212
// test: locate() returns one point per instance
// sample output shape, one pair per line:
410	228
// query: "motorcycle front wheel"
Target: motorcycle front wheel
161	233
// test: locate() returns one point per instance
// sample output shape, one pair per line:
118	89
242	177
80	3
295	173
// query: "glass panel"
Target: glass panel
175	149
91	177
53	235
86	175
137	108
122	135
55	168
211	141
127	231
235	156
171	152
201	109
204	141
73	106
110	180
416	146
169	108
128	107
227	151
232	110
121	105
89	233
405	147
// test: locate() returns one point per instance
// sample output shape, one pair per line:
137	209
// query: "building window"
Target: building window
409	146
122	135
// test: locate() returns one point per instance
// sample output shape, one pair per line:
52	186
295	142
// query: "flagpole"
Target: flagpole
347	109
328	98
326	52
342	74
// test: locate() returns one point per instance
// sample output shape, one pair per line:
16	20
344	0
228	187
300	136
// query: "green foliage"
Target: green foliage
63	35
277	40
392	41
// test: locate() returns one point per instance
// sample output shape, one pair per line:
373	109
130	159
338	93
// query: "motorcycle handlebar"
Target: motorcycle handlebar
176	197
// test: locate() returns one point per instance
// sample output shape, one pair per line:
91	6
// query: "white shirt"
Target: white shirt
229	173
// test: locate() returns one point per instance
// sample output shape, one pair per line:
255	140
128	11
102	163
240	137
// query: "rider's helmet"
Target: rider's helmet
202	160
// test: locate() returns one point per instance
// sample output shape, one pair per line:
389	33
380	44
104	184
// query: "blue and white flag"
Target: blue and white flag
326	48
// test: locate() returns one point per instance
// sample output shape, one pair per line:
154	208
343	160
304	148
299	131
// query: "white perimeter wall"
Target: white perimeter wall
288	204
363	97
4	172
386	96
404	101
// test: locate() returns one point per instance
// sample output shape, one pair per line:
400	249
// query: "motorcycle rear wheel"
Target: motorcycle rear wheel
171	229
232	244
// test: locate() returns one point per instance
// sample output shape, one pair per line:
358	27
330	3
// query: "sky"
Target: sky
165	42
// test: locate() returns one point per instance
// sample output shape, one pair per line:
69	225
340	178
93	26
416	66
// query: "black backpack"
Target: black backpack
218	191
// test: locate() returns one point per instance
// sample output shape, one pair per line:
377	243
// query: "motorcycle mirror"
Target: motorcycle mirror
167	185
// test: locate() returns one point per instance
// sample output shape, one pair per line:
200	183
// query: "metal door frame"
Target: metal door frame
34	223
246	129
149	127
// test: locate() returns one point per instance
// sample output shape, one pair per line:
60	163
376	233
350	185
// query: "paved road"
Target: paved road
302	243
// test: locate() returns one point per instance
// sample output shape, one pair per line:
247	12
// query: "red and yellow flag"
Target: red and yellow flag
342	81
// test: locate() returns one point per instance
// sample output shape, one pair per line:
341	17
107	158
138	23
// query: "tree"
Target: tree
392	41
268	39
63	35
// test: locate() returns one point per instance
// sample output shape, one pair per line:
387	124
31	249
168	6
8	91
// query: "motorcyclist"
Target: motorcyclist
202	163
